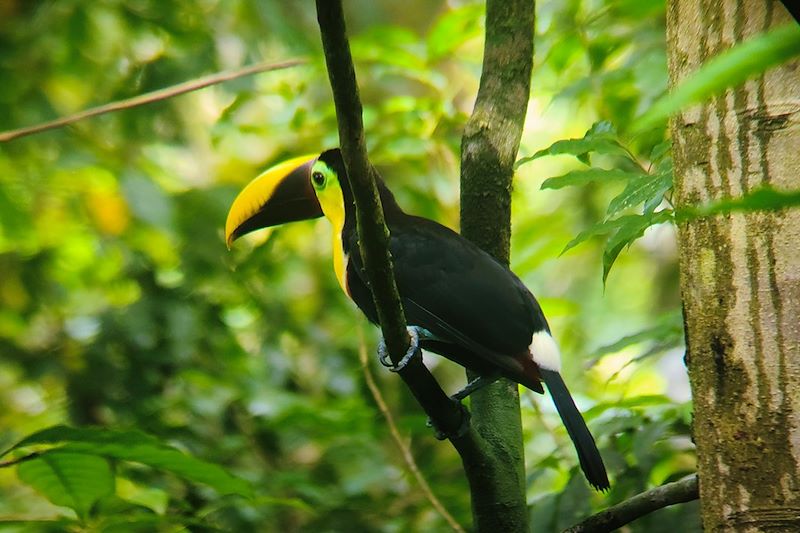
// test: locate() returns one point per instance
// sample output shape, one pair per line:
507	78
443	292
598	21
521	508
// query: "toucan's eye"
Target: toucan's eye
318	178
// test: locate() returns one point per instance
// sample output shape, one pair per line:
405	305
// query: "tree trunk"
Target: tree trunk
740	273
488	151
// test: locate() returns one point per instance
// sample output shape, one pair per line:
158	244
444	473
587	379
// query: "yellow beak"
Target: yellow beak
279	195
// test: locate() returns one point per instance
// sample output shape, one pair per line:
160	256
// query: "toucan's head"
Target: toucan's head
301	188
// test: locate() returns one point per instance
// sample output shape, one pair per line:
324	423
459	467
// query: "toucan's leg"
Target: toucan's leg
475	384
414	333
417	333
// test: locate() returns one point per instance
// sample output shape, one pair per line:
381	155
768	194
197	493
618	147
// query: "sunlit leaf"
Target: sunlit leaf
564	52
153	498
591	175
641	189
453	29
578	147
728	69
74	480
601	139
631	229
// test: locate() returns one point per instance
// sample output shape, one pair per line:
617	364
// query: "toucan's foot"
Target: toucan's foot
462	430
472	386
413	349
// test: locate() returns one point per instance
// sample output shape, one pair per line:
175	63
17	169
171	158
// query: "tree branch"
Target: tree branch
480	467
488	151
446	415
651	500
149	98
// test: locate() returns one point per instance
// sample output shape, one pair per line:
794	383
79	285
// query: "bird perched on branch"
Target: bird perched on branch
458	300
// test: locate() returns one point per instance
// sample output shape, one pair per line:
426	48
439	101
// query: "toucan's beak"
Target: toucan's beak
281	194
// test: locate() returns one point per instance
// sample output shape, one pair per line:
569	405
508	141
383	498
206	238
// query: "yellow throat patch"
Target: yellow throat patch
329	193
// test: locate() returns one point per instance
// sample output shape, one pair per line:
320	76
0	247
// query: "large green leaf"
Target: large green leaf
578	147
644	188
590	175
601	138
140	448
74	480
628	231
730	68
601	228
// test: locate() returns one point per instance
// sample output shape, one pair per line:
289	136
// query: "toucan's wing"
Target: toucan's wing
463	286
461	348
462	295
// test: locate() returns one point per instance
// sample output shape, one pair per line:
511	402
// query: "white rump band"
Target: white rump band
545	351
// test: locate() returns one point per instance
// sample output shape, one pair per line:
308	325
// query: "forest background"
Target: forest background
121	307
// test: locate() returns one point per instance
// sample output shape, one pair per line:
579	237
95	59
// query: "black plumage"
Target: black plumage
482	315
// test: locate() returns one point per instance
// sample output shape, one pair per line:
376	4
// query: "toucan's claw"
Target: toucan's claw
413	349
472	386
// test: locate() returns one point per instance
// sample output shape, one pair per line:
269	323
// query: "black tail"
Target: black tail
589	457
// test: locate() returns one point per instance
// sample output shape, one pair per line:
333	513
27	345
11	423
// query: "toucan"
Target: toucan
459	301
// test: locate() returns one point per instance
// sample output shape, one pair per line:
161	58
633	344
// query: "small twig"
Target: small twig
631	509
398	439
148	98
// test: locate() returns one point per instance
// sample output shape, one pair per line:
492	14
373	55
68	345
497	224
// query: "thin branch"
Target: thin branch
405	451
651	500
148	98
447	416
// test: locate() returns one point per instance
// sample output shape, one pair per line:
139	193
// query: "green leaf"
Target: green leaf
667	332
762	199
631	229
601	138
153	498
730	68
74	480
578	147
661	151
453	29
584	177
139	447
643	188
601	228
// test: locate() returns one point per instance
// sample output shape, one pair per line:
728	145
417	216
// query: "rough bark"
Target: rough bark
740	273
488	151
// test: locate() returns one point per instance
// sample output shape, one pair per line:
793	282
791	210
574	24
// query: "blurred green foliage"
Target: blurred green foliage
120	306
